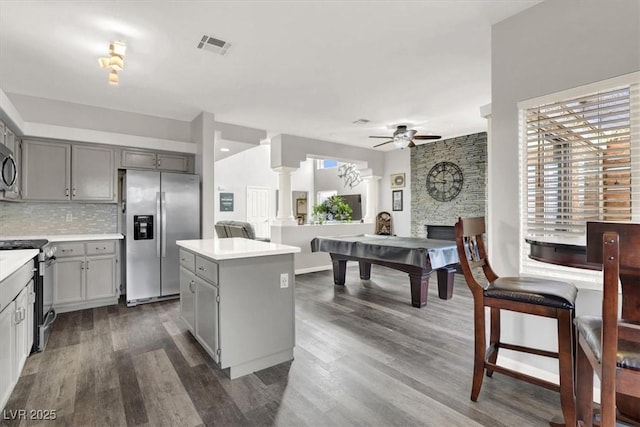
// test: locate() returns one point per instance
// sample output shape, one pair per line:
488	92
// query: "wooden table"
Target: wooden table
574	254
416	256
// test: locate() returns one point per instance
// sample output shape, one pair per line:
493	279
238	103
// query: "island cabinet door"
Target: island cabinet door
207	317
188	298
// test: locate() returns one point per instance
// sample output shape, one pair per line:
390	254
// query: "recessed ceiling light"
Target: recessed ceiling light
224	149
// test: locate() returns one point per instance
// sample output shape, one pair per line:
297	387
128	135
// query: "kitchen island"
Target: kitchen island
237	299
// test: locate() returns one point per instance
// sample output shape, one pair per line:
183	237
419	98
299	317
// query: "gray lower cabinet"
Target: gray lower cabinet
207	318
54	171
237	310
188	298
85	275
16	327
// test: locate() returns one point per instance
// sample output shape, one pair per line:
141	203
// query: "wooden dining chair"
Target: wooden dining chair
608	345
541	297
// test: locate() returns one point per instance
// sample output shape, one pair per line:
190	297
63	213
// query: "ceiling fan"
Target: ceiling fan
403	137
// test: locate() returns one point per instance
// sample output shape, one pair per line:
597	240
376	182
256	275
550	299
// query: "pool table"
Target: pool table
416	256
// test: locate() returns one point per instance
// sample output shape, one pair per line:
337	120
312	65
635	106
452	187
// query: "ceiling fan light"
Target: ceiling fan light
116	62
113	78
117	48
104	62
401	141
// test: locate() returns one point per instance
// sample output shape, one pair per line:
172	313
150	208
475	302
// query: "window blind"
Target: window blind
580	162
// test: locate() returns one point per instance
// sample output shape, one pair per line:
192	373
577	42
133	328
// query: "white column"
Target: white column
285	212
371	209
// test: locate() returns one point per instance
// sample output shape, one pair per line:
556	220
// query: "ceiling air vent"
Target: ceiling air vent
361	121
214	45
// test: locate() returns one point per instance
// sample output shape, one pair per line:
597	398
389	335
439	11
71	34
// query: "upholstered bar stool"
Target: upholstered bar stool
609	345
541	297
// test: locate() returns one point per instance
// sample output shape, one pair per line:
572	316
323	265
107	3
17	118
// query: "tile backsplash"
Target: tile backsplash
37	219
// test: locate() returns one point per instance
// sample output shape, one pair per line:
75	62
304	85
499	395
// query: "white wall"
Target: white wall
396	161
235	173
553	46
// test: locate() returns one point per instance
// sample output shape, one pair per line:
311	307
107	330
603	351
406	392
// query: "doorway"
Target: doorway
258	210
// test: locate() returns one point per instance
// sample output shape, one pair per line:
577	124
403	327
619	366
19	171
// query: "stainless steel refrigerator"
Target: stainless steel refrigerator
159	209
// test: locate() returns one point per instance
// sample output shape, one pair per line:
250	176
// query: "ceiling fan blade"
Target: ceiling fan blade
380	137
386	142
427	137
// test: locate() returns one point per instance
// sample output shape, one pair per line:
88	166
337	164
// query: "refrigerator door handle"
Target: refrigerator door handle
158	225
163	204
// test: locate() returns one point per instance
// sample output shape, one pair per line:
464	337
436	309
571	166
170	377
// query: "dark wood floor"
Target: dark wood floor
363	356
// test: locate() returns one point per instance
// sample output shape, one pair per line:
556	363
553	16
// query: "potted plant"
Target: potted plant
334	208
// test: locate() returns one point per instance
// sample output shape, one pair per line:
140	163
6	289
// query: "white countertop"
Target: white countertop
68	237
235	248
10	261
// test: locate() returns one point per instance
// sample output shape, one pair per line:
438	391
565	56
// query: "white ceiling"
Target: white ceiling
307	68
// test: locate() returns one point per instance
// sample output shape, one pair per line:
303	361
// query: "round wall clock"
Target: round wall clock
444	181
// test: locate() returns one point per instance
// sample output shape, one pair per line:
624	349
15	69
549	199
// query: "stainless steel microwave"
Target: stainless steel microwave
8	168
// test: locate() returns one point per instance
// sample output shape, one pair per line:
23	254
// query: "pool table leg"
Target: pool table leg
419	289
446	277
339	270
365	270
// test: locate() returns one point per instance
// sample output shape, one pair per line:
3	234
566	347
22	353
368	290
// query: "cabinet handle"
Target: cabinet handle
201	268
191	283
73	194
67	250
87	264
158	162
81	265
16	316
66	192
183	259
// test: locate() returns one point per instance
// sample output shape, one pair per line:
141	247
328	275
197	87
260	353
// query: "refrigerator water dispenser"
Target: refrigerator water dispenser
143	227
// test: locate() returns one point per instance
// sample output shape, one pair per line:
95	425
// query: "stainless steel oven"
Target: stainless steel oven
44	313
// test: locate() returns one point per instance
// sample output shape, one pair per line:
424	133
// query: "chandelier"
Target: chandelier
115	61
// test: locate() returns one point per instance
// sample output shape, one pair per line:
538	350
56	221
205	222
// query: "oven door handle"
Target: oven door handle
50	261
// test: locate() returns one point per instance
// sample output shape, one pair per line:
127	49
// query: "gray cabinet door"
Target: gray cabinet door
92	173
138	159
68	280
188	298
7	351
22	331
46	170
101	276
172	162
207	317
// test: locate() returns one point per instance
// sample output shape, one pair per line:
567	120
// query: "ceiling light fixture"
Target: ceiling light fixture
115	61
224	149
401	140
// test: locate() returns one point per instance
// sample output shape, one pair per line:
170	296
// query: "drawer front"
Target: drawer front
12	285
100	247
188	260
207	269
69	249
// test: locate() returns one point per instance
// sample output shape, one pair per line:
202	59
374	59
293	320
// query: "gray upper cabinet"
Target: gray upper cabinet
138	159
172	162
92	173
46	170
54	171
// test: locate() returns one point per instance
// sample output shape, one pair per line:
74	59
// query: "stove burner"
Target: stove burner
22	244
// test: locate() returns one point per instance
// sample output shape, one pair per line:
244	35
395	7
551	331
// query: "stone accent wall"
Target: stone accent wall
470	154
41	219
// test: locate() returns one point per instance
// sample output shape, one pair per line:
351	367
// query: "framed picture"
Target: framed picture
397	180
301	206
226	202
396	200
